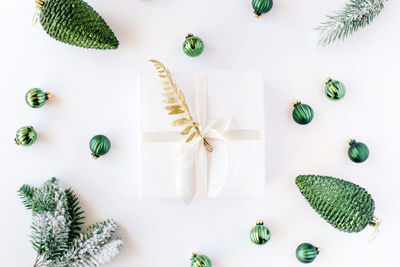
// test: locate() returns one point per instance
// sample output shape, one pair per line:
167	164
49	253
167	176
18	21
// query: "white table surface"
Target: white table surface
95	92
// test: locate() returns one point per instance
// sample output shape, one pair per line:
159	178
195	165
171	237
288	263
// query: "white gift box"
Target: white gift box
235	168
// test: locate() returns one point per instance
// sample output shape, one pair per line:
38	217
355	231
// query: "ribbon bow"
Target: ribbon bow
192	178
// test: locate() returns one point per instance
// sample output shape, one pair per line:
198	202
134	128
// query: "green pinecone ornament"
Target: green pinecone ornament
306	253
193	46
261	7
346	206
25	136
358	152
99	145
260	234
200	261
76	23
335	90
302	113
36	98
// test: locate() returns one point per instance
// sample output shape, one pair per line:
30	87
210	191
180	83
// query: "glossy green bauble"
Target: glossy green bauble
99	145
260	234
261	7
358	152
335	90
306	253
193	46
200	261
36	97
302	113
25	136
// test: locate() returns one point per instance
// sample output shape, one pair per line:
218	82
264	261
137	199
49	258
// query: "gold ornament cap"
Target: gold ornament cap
259	222
189	35
327	80
296	103
352	141
376	222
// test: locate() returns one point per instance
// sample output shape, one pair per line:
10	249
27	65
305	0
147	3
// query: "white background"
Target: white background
95	92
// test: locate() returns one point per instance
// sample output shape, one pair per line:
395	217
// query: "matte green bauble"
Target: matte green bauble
200	261
346	206
99	145
306	253
335	90
76	23
302	113
36	98
358	152
261	7
193	46
25	136
260	234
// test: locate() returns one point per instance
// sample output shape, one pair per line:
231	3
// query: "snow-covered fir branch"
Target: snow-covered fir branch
96	246
49	226
356	14
56	220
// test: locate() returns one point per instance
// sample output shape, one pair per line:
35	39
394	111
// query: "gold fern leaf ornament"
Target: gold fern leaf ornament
176	105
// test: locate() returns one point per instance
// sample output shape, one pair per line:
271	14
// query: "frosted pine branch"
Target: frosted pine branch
95	247
57	219
355	15
49	226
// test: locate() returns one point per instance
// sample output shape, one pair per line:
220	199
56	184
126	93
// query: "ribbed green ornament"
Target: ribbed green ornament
302	113
200	261
193	46
260	234
306	253
261	7
36	97
346	206
99	145
335	90
25	136
358	152
76	23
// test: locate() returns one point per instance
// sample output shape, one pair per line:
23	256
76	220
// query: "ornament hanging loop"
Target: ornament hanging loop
39	4
376	222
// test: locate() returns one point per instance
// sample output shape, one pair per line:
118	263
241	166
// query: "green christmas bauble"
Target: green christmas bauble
335	90
358	152
302	113
25	136
76	23
36	98
261	7
99	145
306	253
193	46
260	234
346	206
200	261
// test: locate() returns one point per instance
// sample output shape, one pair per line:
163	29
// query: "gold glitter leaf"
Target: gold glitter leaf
190	138
170	100
177	111
176	97
181	121
187	130
174	107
